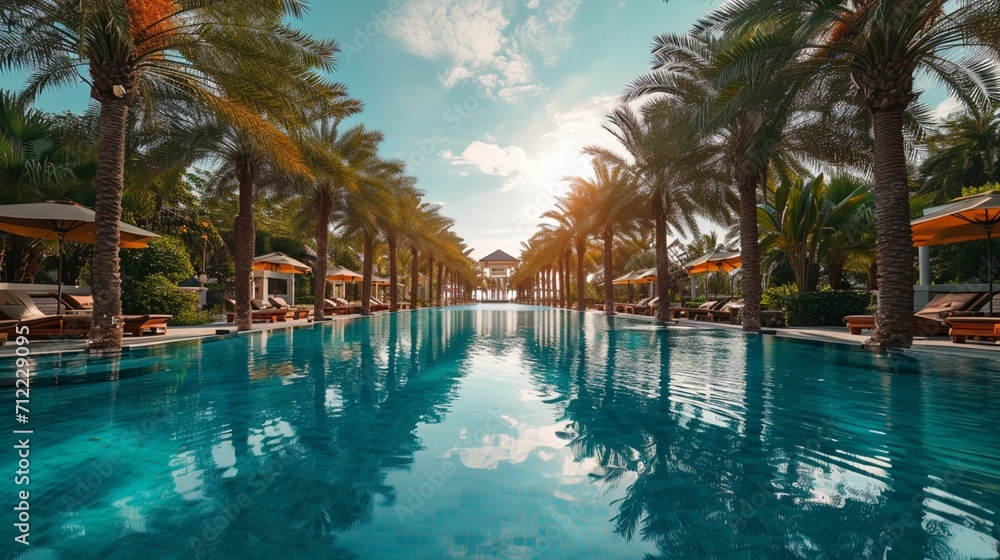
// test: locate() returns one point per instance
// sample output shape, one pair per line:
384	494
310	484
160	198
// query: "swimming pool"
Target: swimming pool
499	431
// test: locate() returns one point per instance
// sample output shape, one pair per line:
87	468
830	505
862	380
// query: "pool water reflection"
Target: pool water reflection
514	432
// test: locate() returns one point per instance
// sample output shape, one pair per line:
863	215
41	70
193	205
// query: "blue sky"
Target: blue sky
489	101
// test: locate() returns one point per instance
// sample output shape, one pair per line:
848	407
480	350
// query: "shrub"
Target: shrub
193	317
158	294
776	298
825	308
165	256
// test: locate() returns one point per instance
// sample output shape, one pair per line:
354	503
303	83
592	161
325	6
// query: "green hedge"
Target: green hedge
825	308
158	294
164	256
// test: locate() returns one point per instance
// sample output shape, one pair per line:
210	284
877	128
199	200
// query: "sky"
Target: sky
488	101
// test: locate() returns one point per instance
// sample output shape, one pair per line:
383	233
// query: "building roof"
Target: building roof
498	256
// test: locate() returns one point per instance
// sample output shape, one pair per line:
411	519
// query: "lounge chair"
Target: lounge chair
964	325
702	310
258	315
135	325
293	312
338	306
724	313
631	307
649	308
929	321
18	306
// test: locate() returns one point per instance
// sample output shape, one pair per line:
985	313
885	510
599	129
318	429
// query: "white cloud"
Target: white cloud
490	43
490	159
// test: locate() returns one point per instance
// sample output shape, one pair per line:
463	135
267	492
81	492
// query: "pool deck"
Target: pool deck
174	334
934	345
940	345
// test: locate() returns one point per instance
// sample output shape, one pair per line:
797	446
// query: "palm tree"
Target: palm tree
668	173
881	45
572	213
964	152
803	215
341	160
609	198
240	59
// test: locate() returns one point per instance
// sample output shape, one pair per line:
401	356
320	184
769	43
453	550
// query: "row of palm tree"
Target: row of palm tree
235	84
759	92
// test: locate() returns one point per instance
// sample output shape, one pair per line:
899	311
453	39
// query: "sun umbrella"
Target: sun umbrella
63	221
627	278
965	219
379	281
280	262
715	262
341	274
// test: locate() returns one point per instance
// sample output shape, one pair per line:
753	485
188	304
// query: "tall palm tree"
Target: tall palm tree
341	160
610	202
572	213
671	174
881	46
241	59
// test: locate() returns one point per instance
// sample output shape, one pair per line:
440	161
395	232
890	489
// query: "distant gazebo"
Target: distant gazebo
497	268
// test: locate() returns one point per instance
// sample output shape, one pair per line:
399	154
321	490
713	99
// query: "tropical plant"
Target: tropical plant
802	216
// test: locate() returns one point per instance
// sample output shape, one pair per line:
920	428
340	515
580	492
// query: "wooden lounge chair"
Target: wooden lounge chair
135	325
18	306
929	321
649	309
976	324
961	329
293	312
724	313
631	307
702	310
338	306
258	315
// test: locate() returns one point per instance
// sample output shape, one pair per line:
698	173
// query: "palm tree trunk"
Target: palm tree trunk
749	252
245	239
581	302
393	274
662	260
894	238
414	276
609	288
440	283
109	184
322	243
430	280
366	275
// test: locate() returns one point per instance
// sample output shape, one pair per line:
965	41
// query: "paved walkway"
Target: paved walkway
173	334
839	335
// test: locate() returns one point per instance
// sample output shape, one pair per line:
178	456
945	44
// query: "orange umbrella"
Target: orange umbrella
280	262
969	218
64	221
341	274
715	262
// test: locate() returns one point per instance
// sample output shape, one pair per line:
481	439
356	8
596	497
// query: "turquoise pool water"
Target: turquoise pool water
512	432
